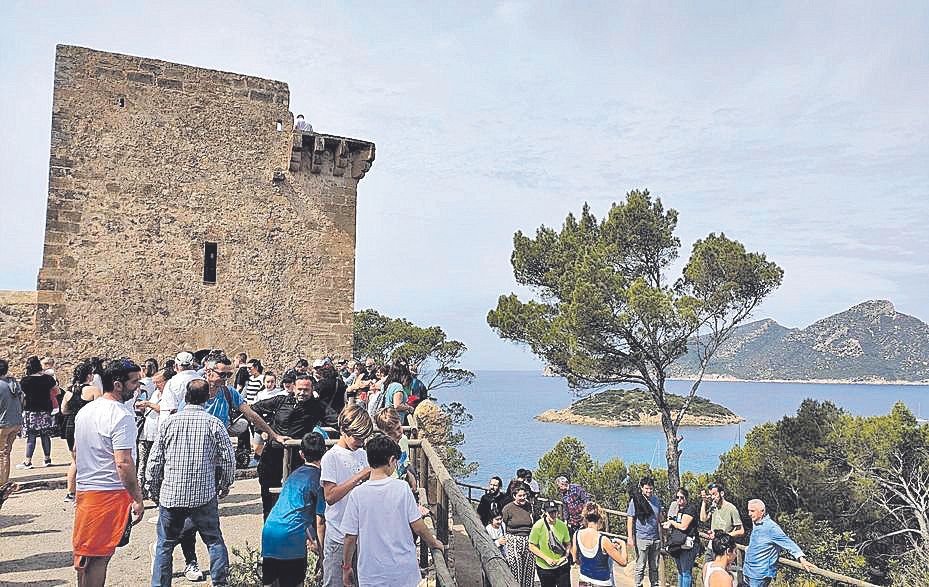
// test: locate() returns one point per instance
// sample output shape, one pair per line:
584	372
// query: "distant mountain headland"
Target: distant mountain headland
868	343
617	407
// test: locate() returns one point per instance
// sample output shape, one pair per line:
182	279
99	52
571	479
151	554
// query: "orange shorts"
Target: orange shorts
99	522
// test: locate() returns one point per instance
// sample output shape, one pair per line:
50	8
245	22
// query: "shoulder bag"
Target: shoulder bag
237	423
554	544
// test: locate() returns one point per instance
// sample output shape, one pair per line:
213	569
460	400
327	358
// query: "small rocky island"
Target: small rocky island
618	407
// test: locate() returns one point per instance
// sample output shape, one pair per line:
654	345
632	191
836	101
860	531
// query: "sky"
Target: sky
800	129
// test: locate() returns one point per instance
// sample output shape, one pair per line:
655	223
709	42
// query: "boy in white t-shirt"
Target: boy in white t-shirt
378	519
343	468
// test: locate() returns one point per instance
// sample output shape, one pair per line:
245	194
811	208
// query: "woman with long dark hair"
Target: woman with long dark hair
80	393
399	386
38	422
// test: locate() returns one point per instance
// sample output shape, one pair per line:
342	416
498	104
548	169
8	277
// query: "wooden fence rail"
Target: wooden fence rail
784	562
444	495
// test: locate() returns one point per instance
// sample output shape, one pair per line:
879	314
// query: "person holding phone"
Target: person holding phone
549	541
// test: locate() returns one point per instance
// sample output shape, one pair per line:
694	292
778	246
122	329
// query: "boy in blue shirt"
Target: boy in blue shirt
292	521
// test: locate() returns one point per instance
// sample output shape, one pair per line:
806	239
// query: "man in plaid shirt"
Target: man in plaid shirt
192	464
573	500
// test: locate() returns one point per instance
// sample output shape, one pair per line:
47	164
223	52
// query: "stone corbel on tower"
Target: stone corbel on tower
321	154
362	161
319	150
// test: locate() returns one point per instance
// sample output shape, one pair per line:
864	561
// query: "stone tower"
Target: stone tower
185	212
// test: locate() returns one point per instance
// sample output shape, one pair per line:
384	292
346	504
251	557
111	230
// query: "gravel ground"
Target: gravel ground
35	539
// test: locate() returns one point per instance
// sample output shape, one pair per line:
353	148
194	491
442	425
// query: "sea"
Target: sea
504	434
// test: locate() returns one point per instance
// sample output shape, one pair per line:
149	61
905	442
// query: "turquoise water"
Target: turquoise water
505	436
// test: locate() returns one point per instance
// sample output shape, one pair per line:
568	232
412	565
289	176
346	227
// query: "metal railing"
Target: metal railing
621	515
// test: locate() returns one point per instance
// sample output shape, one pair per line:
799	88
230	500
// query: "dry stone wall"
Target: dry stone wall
151	160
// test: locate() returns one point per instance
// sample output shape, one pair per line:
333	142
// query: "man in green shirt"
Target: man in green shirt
549	541
722	515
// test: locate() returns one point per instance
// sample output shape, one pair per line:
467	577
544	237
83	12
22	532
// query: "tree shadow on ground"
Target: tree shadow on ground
47	583
15	520
238	499
16	533
38	562
247	509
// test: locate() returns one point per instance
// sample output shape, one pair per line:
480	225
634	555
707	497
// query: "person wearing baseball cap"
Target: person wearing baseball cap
549	540
172	398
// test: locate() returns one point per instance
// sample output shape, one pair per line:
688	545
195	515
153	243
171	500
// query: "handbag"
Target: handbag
554	544
679	540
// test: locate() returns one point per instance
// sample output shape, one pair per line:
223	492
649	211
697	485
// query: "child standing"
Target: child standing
378	519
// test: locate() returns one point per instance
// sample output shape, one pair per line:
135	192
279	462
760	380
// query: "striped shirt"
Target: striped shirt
192	459
254	386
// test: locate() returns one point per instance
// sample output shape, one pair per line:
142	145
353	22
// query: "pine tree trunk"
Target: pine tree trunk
673	454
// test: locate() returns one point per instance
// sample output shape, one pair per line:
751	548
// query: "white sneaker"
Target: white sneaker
193	572
22	466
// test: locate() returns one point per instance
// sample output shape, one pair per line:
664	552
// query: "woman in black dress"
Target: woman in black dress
38	388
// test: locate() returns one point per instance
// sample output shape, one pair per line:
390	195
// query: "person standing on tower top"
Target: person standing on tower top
302	125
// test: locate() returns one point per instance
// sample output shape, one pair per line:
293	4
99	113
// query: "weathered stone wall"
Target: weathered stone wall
17	328
150	160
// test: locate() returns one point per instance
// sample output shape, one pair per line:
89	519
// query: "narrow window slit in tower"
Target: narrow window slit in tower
209	262
280	125
122	102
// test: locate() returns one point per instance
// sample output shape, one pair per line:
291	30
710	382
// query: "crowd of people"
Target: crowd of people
542	538
174	433
163	433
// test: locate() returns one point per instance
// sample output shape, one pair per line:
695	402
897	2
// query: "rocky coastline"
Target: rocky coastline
567	416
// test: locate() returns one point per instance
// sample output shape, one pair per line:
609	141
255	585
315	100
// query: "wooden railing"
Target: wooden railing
446	500
621	515
439	492
447	503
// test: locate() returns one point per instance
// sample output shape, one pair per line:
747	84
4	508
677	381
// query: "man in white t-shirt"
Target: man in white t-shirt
108	495
172	397
343	468
378	519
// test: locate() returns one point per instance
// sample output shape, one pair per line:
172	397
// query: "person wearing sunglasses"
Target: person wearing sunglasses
683	543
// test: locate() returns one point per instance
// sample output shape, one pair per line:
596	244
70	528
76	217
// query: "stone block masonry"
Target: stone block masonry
149	162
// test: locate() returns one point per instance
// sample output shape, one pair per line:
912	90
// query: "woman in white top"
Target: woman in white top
715	572
593	551
150	409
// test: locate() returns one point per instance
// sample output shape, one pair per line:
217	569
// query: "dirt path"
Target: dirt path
35	539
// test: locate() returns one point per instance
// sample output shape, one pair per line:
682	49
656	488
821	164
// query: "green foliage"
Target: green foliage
568	458
628	405
822	543
849	487
609	482
911	569
245	568
608	313
453	459
386	339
